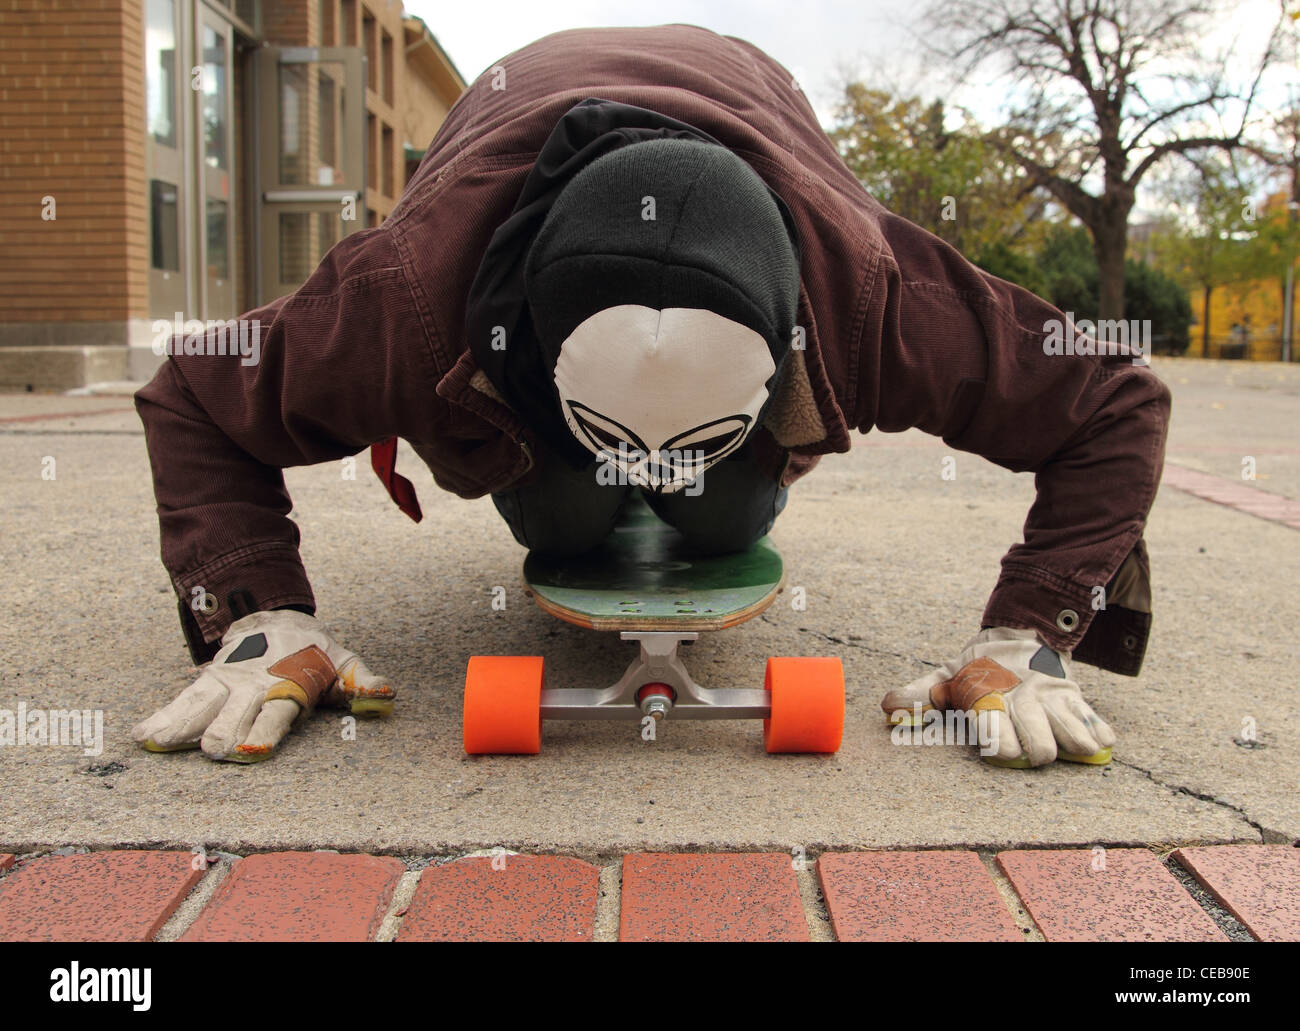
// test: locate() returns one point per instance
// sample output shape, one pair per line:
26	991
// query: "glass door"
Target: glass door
311	158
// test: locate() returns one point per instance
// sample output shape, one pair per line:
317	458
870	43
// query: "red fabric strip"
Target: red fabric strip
383	459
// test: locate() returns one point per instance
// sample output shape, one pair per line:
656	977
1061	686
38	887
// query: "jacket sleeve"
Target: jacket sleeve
973	359
319	375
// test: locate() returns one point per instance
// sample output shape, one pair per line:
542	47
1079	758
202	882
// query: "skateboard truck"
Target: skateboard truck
801	702
656	683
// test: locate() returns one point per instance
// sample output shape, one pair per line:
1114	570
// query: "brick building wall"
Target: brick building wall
72	127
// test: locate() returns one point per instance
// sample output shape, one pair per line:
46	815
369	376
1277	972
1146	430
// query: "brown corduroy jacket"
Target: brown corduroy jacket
901	332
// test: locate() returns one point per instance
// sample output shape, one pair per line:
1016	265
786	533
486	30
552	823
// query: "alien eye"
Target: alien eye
604	433
712	440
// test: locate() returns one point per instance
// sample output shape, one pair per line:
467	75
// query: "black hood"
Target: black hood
706	249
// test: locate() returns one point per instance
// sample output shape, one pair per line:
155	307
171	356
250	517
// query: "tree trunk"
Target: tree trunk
1109	242
1288	353
1206	291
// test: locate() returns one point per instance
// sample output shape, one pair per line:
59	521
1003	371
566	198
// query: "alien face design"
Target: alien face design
662	395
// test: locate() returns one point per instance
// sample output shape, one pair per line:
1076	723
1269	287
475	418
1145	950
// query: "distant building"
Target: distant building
1246	318
194	157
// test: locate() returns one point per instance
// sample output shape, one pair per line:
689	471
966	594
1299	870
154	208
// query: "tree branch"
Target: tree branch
1180	147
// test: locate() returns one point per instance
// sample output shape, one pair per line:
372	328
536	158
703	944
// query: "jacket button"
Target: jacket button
207	603
1130	642
1067	620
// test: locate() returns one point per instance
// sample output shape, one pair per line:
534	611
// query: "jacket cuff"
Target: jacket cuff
1034	599
1113	638
250	579
1116	640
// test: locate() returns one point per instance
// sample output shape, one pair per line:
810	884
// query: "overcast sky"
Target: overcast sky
811	39
815	39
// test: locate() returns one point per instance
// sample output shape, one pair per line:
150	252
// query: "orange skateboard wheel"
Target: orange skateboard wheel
503	704
807	698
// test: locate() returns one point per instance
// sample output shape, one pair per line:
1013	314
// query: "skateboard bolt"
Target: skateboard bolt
656	700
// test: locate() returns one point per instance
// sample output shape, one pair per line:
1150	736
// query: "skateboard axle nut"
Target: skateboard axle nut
656	700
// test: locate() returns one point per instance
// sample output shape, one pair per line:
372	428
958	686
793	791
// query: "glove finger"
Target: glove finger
359	689
1071	733
181	722
1100	729
901	703
269	728
232	723
1033	729
1003	740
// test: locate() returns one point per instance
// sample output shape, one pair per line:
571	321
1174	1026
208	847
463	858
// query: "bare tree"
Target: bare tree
1103	90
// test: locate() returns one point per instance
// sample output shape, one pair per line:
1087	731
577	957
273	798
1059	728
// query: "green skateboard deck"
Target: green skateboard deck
643	578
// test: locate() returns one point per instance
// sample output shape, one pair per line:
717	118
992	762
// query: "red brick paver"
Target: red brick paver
520	898
300	896
1243	498
96	896
1258	884
913	896
1117	894
737	897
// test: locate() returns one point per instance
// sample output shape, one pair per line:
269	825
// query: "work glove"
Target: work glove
273	667
1035	713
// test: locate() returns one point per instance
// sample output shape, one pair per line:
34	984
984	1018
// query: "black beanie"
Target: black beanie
665	224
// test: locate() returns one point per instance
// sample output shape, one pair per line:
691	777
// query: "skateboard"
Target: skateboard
645	585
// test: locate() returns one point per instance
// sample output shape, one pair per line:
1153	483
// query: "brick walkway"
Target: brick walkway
1235	495
1210	893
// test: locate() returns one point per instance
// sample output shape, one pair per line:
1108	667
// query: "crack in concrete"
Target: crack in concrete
855	644
1266	835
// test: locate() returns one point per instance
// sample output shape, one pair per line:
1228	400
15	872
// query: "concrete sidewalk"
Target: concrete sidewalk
896	562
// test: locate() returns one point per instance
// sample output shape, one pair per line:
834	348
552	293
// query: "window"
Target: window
386	156
349	23
386	49
372	152
164	226
325	23
294	114
305	237
160	69
372	54
218	235
214	99
295	246
328	105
